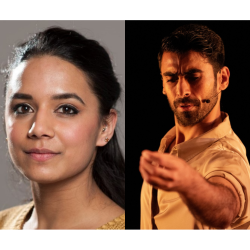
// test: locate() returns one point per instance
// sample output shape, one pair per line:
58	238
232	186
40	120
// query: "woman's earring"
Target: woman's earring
104	129
106	139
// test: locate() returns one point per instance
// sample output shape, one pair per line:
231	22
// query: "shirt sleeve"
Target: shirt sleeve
231	166
146	197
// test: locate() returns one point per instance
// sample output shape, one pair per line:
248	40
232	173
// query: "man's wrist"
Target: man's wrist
191	184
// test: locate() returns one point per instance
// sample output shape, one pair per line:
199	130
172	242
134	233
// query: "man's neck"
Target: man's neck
186	133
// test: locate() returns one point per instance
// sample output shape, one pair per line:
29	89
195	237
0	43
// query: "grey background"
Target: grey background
14	189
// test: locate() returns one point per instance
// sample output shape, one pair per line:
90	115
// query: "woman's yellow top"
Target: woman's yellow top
15	217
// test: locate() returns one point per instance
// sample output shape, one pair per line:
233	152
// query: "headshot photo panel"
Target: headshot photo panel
63	125
188	152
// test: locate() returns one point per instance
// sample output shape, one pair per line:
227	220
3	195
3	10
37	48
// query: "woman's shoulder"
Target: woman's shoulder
13	218
117	223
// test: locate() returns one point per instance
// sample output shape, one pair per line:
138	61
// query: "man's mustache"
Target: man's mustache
185	100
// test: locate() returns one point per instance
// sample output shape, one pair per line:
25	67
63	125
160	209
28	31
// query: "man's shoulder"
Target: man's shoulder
167	139
231	143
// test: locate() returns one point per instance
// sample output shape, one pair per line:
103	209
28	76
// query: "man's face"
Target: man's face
187	80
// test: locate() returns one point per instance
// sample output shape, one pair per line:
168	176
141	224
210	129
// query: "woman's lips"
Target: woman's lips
41	154
41	157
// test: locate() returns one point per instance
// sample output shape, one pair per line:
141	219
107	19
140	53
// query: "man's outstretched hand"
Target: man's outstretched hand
214	202
166	172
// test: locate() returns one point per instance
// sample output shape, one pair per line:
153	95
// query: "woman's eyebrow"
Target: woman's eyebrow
54	97
67	96
21	96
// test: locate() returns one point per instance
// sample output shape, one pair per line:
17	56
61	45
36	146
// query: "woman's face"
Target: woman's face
52	120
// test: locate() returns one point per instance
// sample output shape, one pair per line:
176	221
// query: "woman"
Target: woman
60	123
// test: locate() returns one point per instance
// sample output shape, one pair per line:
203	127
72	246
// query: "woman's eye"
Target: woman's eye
68	110
22	109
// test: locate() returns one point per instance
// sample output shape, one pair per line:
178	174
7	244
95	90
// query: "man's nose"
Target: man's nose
183	87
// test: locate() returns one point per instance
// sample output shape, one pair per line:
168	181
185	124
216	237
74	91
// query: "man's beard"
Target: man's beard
190	118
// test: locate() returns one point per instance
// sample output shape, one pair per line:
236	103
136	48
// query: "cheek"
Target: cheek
170	93
209	80
79	134
78	142
167	91
16	131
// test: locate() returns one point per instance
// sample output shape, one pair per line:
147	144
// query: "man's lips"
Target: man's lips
41	154
186	106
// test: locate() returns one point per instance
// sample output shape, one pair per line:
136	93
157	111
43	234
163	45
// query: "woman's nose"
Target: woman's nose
41	126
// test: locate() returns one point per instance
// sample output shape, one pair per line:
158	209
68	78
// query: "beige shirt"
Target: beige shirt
15	217
218	152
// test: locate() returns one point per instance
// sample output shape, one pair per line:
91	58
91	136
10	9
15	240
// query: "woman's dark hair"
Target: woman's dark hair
198	38
90	57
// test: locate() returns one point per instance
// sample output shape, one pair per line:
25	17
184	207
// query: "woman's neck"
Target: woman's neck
73	203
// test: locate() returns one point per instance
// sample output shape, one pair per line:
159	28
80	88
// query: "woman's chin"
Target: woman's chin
42	177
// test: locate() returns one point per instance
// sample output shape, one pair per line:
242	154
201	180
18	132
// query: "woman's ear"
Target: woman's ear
223	78
108	128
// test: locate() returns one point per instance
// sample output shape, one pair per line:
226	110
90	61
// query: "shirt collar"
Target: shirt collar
187	150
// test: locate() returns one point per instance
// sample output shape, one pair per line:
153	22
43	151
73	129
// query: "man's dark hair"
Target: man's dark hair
198	38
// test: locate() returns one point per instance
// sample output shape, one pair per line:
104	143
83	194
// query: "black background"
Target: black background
148	115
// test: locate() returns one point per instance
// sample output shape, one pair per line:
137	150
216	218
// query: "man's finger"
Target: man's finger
148	166
158	182
164	159
151	156
144	173
163	173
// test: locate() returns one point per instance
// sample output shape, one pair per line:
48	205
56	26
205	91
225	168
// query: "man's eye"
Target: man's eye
20	109
172	80
67	110
192	78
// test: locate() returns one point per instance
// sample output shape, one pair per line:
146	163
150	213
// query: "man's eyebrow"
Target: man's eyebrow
54	97
67	96
169	73
190	71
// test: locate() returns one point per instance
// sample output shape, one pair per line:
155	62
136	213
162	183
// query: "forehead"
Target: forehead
177	63
47	75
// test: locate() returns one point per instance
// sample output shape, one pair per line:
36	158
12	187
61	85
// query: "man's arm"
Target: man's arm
214	202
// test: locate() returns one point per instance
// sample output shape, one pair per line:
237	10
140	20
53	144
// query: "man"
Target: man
200	176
